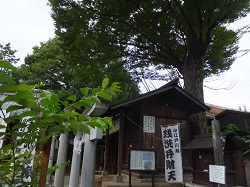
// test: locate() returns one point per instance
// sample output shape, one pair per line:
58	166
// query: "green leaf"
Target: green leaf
13	108
24	87
71	98
6	65
96	90
28	113
115	89
102	123
69	115
6	79
33	127
77	105
95	99
84	127
2	126
11	118
105	95
115	84
32	104
86	102
19	125
85	91
105	82
94	124
58	119
109	121
47	94
75	126
82	118
65	103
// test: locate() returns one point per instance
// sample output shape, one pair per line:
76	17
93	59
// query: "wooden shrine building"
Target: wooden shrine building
203	156
170	104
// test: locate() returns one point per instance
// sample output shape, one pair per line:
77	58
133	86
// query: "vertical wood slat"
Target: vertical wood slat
120	144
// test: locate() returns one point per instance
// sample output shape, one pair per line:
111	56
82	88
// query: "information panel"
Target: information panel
149	124
217	174
142	160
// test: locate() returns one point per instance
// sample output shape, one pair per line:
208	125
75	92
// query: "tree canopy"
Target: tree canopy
50	67
6	53
189	36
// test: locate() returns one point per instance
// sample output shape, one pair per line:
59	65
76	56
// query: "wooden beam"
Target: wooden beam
45	161
120	148
218	156
106	153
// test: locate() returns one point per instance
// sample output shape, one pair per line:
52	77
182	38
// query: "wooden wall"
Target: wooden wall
134	137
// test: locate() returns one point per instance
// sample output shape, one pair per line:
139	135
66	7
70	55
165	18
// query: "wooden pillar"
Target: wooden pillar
218	156
106	153
120	148
45	161
240	168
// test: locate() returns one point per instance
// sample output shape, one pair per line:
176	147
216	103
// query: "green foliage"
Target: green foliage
34	115
52	169
51	67
243	139
6	53
189	39
231	128
158	32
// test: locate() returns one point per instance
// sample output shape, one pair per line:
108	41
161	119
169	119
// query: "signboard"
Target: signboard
142	160
172	149
217	174
149	124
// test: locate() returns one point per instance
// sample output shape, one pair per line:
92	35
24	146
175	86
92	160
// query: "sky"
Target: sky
26	23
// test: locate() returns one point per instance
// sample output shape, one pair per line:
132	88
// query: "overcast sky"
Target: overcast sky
26	23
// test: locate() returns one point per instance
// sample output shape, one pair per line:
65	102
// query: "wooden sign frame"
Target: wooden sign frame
142	160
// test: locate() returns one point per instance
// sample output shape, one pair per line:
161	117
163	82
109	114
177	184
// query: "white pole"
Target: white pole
61	159
51	156
75	165
88	162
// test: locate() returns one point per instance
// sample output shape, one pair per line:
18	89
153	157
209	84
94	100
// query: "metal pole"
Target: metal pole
75	165
51	156
88	162
61	159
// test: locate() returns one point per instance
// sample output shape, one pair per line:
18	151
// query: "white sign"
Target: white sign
172	150
149	124
217	174
142	160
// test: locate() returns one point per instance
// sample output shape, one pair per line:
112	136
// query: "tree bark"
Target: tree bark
193	75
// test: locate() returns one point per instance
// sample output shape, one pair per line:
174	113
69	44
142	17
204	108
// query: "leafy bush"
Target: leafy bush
31	116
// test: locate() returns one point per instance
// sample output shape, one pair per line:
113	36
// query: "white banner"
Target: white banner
2	122
27	147
172	150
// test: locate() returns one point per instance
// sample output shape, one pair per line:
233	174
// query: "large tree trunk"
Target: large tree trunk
193	75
